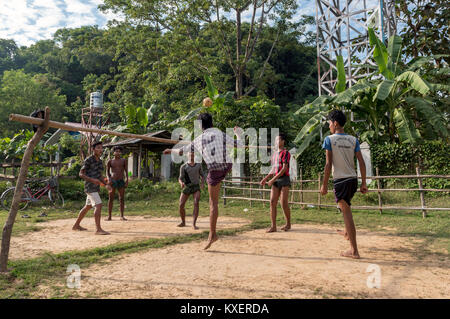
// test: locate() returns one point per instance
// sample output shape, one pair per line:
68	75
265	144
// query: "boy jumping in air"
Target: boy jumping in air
280	183
116	169
212	144
341	149
189	179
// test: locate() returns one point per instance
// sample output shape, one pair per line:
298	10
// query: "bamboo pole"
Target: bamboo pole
380	202
422	197
318	196
7	229
301	187
250	188
224	194
67	127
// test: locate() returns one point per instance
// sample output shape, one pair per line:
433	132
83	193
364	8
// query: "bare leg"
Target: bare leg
183	200
213	213
122	202
111	194
274	196
349	229
81	215
286	208
196	208
98	216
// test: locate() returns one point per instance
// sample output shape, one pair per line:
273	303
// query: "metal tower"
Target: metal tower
342	30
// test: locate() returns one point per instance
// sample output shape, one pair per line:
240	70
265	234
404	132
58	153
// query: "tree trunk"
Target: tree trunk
239	68
7	229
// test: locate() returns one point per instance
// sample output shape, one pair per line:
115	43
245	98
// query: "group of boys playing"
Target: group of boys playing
340	149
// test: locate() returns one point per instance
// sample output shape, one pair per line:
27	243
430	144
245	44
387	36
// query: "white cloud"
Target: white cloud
29	21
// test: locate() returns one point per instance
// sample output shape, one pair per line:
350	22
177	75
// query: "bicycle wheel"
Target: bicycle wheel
56	198
8	195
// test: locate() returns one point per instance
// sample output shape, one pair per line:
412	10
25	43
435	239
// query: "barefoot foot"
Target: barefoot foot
210	242
286	227
123	218
78	228
108	219
182	224
101	232
271	230
195	227
349	254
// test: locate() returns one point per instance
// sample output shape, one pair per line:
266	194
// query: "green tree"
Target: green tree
186	18
22	94
401	106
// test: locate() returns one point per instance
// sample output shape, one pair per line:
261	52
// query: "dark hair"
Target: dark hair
338	116
96	143
117	148
283	137
206	119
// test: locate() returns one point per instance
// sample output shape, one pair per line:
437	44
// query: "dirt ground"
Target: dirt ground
57	236
301	263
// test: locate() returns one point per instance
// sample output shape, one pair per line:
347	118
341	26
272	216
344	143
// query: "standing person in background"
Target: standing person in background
189	179
279	183
341	149
117	170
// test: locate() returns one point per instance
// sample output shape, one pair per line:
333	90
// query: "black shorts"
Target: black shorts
282	181
345	188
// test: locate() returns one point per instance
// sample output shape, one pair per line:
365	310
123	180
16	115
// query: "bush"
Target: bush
136	190
74	168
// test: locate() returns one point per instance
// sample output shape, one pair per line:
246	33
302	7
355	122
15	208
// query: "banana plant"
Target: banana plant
394	107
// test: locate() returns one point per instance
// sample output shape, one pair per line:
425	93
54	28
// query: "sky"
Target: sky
27	21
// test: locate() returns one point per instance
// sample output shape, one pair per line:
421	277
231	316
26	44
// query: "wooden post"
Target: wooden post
292	193
318	196
251	180
7	229
263	196
224	194
301	187
422	197
140	162
380	202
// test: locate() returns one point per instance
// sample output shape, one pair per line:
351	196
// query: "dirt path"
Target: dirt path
57	236
302	263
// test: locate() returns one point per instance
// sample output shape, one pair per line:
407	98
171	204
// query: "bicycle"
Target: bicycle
50	189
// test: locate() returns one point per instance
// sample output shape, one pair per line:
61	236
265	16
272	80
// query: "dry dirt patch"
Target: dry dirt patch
57	236
301	263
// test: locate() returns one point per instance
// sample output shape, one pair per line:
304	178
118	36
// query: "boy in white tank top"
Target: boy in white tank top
341	150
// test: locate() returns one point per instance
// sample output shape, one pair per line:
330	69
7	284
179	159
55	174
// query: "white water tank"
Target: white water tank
96	101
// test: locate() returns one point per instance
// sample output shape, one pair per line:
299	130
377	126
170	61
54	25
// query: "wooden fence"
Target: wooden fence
258	194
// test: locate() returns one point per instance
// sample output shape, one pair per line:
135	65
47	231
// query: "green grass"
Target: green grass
50	269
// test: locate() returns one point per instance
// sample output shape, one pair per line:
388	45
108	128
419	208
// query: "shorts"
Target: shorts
118	183
215	177
345	188
282	182
191	189
93	199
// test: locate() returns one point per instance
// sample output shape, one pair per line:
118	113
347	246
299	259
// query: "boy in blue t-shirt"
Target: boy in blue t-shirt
340	151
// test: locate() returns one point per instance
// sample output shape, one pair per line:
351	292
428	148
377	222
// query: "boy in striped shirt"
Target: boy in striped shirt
341	150
280	183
